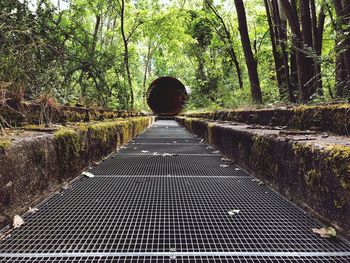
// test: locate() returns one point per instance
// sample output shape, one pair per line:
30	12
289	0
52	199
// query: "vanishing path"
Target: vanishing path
167	197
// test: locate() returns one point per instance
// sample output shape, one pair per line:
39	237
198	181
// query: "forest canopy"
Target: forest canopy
105	53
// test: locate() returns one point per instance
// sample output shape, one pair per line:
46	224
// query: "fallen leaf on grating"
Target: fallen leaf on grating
224	165
325	232
87	174
144	151
237	169
6	234
215	152
17	221
225	159
33	210
258	181
64	187
233	212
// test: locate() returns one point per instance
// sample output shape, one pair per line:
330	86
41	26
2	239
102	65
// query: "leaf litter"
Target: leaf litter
325	232
87	174
17	221
33	210
233	212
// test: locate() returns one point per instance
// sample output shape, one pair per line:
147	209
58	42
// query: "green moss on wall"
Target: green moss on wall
5	144
68	147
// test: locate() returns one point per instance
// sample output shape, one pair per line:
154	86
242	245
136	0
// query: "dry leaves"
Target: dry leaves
325	232
233	212
87	174
33	210
17	221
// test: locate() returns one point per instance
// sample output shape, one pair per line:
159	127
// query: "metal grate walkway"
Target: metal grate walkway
163	201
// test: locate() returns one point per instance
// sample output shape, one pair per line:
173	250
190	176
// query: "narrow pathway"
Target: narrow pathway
169	197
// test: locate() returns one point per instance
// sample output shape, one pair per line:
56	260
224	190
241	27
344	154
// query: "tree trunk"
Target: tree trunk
291	12
126	54
281	29
318	49
276	54
145	71
342	9
249	57
229	40
306	25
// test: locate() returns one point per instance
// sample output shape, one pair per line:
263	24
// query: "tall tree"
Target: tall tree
227	39
126	52
297	42
342	8
248	54
278	40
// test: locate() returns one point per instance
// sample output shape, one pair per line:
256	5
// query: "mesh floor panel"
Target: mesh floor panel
166	133
103	259
142	207
174	148
165	140
161	214
167	165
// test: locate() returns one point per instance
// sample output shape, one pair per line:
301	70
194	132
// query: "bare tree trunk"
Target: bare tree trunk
306	25
342	9
126	54
276	54
229	42
318	27
291	12
249	57
281	29
146	70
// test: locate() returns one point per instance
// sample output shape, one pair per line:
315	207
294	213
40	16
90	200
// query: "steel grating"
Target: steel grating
171	133
247	259
166	140
173	148
164	123
181	165
163	214
142	207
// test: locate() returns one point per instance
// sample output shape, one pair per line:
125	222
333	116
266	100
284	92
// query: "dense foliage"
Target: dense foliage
106	52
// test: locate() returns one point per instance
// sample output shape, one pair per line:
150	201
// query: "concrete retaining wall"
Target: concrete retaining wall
311	170
328	118
33	165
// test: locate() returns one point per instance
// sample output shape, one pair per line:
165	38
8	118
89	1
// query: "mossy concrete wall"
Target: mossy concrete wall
313	173
329	118
33	166
26	113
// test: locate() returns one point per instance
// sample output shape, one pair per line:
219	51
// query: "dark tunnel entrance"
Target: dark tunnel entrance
166	96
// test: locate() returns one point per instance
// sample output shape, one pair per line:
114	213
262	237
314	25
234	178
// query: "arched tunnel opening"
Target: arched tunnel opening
166	96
